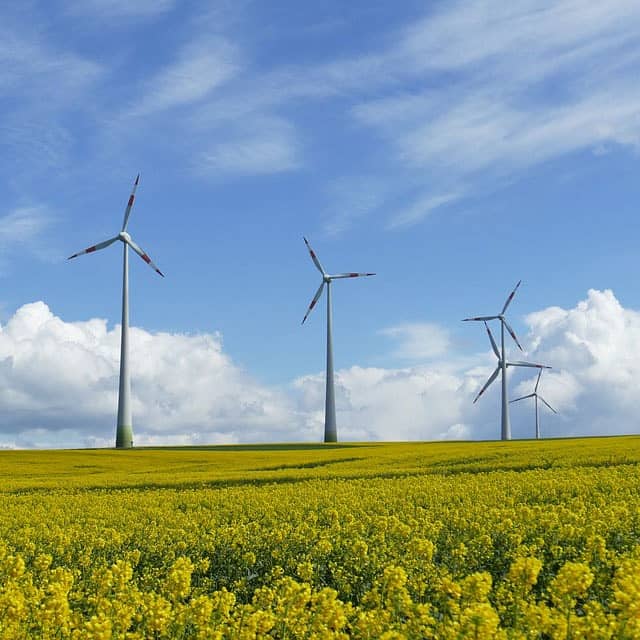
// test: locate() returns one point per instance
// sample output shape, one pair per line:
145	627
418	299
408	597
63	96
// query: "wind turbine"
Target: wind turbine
330	430
536	395
502	360
124	428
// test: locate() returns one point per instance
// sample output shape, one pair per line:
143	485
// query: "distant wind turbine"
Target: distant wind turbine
536	395
124	429
330	430
502	361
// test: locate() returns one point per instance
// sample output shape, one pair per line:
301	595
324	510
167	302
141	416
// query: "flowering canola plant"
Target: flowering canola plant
515	540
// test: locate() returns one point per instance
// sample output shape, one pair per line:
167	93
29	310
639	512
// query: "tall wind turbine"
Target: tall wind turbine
536	395
330	430
502	360
124	428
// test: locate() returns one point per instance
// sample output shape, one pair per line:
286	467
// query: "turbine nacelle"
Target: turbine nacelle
326	278
123	236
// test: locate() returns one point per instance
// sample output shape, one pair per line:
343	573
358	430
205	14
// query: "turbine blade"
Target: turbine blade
132	197
493	342
95	247
351	275
144	256
314	257
512	333
510	298
520	363
313	302
537	381
548	405
493	376
480	318
522	398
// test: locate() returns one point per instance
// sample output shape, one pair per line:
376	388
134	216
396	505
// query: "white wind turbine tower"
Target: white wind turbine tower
502	361
537	396
124	428
330	430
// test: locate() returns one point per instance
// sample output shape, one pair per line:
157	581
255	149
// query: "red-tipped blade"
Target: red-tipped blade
494	346
313	302
493	376
512	334
144	256
132	197
314	257
95	247
510	298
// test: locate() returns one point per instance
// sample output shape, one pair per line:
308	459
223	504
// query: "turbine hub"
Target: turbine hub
124	236
326	278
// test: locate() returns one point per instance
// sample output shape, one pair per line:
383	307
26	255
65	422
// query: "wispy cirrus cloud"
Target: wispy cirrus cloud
30	66
198	69
42	82
23	229
497	88
23	225
472	93
260	146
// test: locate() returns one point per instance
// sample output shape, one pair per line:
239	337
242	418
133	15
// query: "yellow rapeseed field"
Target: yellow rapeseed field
442	540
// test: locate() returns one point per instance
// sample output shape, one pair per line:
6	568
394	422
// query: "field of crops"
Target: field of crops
444	540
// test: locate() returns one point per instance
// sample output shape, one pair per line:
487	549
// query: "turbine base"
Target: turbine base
124	437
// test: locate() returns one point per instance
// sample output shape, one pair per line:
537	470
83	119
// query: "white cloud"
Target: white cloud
23	229
472	93
418	340
39	81
58	376
200	67
31	66
524	82
390	404
58	385
596	347
421	208
22	225
259	146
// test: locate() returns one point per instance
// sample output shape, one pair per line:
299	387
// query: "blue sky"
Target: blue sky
454	148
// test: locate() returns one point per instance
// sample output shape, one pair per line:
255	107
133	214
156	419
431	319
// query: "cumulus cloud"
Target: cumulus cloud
61	378
595	349
415	403
58	385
